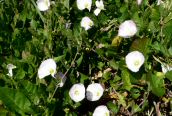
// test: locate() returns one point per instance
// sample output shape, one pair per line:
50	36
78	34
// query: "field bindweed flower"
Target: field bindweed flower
94	92
139	2
86	23
127	29
100	6
101	111
134	60
10	68
47	67
43	5
82	4
166	68
77	92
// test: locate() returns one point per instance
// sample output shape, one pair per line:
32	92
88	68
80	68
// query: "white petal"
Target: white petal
97	11
80	4
88	4
77	92
139	2
127	29
134	60
43	5
86	23
100	5
46	68
101	111
10	67
94	92
166	68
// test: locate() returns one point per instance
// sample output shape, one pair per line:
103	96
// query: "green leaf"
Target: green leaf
126	80
168	75
168	29
141	45
20	74
79	61
59	58
15	100
113	107
157	84
83	78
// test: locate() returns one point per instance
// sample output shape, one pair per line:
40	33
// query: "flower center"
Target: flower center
46	2
51	71
106	114
90	24
86	5
76	92
98	93
136	63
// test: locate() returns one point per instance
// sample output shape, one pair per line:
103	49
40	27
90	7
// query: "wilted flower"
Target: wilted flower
100	6
134	60
87	23
94	91
62	79
166	68
82	4
159	2
139	2
127	29
46	68
77	92
43	5
10	68
101	111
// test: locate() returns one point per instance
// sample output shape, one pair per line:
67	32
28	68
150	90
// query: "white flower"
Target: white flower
101	111
97	11
87	23
139	2
134	60
77	92
82	4
46	68
10	68
94	91
127	29
100	6
43	5
166	68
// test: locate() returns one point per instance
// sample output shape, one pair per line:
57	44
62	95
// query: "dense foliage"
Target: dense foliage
29	36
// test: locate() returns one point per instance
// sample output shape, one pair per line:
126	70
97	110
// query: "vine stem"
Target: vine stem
64	75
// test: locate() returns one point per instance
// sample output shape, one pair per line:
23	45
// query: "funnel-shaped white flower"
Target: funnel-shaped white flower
101	111
134	60
46	68
127	29
86	23
94	92
139	2
43	5
82	4
10	68
77	92
166	68
100	6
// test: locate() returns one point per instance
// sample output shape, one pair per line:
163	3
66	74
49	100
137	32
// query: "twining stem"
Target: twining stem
64	75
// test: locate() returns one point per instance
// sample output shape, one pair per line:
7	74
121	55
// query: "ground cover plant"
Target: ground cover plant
85	57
